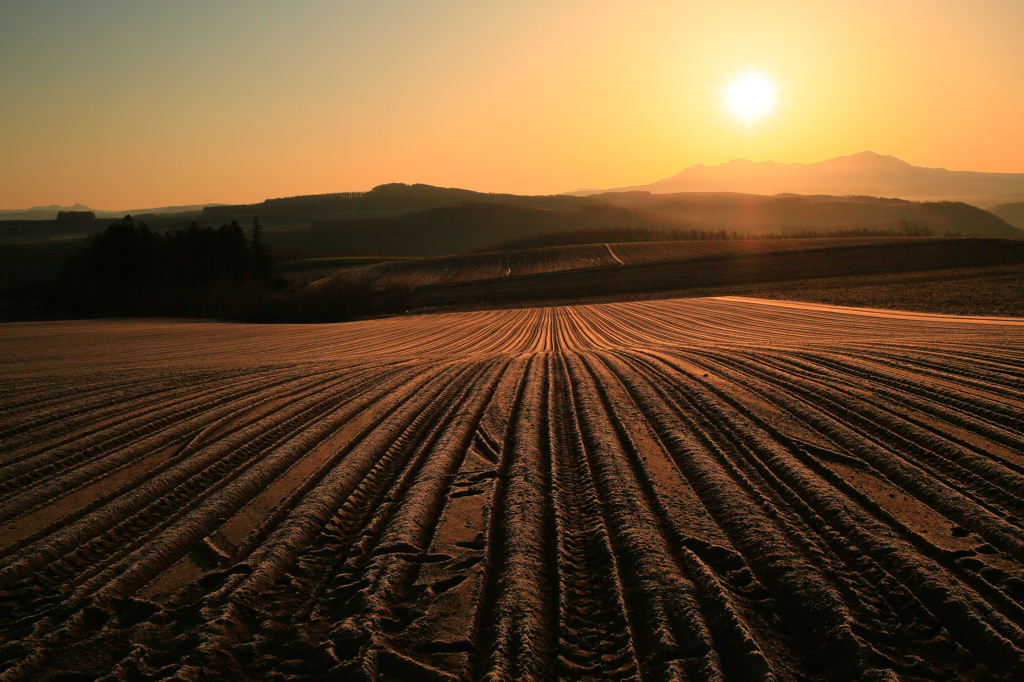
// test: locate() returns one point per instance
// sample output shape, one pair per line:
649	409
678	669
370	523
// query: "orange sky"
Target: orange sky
118	104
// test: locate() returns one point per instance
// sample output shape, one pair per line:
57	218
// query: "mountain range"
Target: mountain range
841	195
420	220
865	174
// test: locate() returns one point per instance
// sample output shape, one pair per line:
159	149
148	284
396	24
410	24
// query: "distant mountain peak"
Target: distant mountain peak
874	155
864	173
870	159
51	207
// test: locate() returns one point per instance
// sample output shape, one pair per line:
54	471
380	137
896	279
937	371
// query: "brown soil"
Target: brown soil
960	276
559	259
709	489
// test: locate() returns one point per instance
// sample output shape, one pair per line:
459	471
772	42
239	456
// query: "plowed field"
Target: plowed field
443	270
600	273
707	489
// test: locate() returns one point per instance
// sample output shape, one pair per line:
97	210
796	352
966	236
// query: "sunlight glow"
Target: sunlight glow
750	96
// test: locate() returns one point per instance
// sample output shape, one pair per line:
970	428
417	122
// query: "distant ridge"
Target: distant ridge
422	221
39	212
866	173
50	212
1013	213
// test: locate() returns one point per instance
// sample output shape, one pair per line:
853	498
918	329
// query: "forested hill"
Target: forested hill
790	213
470	226
422	220
384	200
1012	213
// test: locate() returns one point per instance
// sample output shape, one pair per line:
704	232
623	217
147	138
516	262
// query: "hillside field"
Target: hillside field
968	276
538	261
699	489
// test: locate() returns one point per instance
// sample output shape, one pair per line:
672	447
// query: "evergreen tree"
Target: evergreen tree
260	255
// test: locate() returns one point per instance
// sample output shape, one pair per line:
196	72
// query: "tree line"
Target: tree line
596	235
224	273
128	269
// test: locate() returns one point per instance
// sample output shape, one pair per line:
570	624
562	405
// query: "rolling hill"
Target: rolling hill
1013	213
423	221
470	226
790	213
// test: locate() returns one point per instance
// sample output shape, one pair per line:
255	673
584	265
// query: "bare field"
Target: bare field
707	489
555	259
667	269
993	290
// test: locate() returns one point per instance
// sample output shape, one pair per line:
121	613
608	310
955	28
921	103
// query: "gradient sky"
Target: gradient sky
122	104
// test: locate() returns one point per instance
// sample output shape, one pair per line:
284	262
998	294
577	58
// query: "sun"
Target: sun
750	96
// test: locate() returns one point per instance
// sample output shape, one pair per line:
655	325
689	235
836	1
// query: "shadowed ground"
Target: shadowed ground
711	489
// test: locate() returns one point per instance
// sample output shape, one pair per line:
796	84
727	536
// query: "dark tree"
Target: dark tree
128	269
84	221
260	255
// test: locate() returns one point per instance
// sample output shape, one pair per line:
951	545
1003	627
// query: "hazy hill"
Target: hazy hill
50	212
159	211
788	214
422	220
1011	213
39	212
384	201
469	226
866	173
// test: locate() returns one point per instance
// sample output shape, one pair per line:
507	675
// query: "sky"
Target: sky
120	104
